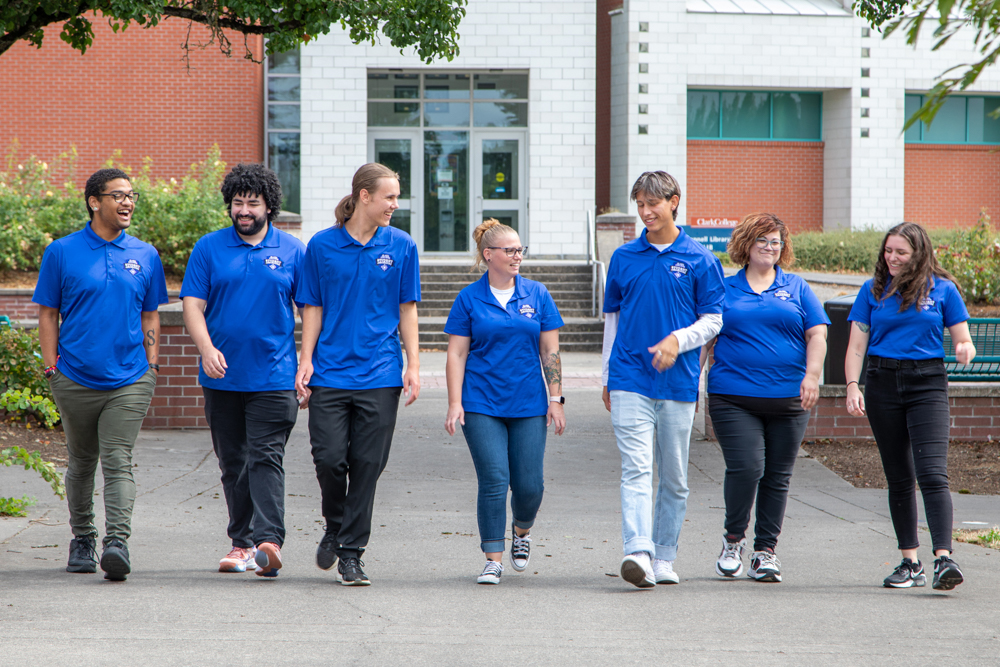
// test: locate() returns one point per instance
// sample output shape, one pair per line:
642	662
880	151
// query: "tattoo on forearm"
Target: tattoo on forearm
150	338
864	327
553	369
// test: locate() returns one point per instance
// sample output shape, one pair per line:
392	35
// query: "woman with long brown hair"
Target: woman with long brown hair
899	319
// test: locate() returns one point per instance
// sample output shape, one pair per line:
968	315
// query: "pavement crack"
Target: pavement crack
200	493
209	453
860	507
30	523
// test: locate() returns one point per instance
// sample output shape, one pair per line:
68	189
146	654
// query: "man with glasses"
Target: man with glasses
101	360
238	309
663	301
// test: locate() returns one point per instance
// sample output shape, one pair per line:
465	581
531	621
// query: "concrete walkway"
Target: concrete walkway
568	608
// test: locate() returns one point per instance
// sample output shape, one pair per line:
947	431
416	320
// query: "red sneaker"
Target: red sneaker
268	559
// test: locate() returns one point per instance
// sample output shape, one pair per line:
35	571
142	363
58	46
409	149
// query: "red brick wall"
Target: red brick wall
178	401
16	304
733	178
947	185
603	94
626	228
132	91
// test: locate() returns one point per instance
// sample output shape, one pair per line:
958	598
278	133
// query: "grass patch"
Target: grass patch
983	537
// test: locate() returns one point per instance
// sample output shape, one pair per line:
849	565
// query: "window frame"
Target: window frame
920	124
268	130
770	98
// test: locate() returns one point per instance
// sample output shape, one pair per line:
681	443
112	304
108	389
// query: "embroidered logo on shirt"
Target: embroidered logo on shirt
132	266
679	270
783	295
273	262
527	311
926	303
384	261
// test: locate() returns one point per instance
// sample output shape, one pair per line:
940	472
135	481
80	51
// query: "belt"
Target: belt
882	362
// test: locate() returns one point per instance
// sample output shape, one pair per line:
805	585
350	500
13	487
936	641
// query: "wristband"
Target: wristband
558	399
155	367
49	372
850	383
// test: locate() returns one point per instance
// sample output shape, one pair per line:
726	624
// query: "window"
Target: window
751	114
447	99
961	120
283	148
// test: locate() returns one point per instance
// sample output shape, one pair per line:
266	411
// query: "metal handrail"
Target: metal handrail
599	276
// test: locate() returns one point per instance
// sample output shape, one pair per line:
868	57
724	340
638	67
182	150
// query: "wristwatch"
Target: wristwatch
49	372
558	399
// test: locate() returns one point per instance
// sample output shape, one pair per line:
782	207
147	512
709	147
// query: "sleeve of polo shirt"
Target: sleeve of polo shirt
612	289
710	289
861	311
309	291
953	309
48	290
812	310
549	318
197	277
459	319
409	284
299	259
157	292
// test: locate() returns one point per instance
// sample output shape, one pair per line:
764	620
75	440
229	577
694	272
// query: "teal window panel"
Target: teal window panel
797	115
746	115
949	123
703	114
991	123
911	103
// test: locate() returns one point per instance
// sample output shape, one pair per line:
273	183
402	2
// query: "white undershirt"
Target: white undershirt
502	295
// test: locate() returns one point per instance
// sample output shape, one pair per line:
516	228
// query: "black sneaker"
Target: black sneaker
349	572
520	550
905	575
114	561
326	552
946	574
82	555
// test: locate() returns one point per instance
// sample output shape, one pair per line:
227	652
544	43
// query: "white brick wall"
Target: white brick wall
554	41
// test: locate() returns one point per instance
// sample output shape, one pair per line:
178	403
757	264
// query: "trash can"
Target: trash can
837	338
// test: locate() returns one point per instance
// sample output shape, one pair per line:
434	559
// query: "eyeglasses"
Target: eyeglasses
120	196
522	251
775	244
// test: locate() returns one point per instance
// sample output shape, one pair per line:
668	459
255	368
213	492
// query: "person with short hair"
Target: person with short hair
765	380
238	310
360	286
662	302
898	320
101	361
499	327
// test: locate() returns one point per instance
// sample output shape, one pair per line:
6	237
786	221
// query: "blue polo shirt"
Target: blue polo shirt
360	288
503	377
761	350
248	290
100	289
658	293
918	331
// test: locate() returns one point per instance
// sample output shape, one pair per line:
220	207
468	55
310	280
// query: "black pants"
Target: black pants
760	439
351	432
249	434
908	412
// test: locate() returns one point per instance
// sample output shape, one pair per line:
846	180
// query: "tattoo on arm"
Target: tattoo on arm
553	369
150	338
864	327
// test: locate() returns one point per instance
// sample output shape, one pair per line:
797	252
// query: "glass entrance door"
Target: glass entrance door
500	192
397	150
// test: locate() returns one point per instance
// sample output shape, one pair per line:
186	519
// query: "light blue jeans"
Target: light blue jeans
643	426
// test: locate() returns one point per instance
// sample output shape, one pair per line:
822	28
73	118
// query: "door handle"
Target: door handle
479	205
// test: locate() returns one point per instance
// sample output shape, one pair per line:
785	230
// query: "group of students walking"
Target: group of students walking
669	309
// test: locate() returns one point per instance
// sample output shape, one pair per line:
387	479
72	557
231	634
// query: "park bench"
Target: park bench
986	366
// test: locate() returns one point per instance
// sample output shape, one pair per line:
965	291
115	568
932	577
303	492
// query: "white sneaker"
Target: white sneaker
637	570
730	563
239	560
765	566
491	573
663	572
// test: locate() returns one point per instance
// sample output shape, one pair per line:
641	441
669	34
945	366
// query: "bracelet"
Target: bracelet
155	367
50	371
850	383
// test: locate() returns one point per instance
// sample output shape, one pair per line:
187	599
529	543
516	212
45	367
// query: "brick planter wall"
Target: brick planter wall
16	304
975	414
178	401
617	222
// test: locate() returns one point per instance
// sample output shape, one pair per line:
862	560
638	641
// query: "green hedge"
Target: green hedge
171	215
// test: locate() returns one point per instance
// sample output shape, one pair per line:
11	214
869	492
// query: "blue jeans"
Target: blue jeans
643	426
507	453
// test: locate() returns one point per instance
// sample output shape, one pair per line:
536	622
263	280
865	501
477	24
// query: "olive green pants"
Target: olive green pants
101	425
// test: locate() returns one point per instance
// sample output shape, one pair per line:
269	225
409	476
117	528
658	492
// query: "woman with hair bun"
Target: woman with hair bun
763	384
899	319
498	328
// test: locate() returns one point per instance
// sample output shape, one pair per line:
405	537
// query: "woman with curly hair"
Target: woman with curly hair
763	383
899	318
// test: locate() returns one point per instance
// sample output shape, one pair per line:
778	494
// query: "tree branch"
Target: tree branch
230	23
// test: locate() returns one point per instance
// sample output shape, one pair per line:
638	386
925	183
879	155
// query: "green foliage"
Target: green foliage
23	402
21	362
34	461
986	538
431	26
15	506
841	250
973	257
981	18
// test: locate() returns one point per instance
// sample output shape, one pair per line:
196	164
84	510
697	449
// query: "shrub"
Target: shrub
21	362
30	461
973	257
23	402
837	251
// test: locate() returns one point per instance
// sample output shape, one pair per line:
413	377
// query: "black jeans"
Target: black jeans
351	432
908	412
249	432
760	439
